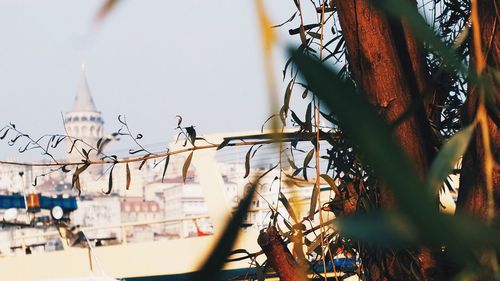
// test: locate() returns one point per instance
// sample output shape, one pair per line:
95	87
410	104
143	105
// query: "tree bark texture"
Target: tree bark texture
472	195
279	257
388	65
382	65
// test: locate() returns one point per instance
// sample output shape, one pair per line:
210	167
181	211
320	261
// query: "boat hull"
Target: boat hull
154	260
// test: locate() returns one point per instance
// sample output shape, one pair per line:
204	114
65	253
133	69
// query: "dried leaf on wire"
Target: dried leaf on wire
110	181
167	159
128	177
186	165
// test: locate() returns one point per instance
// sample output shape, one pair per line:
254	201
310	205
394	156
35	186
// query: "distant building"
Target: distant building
136	209
184	201
99	211
84	122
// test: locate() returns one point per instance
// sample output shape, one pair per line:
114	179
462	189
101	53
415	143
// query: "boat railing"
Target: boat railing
29	241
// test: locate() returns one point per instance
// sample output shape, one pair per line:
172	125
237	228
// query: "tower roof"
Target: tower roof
83	99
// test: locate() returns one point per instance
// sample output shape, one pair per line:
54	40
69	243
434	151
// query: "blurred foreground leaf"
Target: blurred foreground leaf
379	229
211	269
105	9
368	131
418	221
448	157
406	11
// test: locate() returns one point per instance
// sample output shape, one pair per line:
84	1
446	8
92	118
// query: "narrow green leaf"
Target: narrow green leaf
186	165
288	207
296	172
292	164
447	157
307	159
255	151
314	35
332	184
309	117
268	171
314	202
298	121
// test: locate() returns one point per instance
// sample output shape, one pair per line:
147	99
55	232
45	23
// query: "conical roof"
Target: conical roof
83	99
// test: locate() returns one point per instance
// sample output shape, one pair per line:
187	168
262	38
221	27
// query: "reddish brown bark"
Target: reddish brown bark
279	257
375	62
387	63
432	91
413	61
472	196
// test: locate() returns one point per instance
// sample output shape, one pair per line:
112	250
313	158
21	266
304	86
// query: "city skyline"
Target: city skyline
150	88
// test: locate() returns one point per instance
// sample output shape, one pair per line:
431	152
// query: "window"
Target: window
92	118
84	118
76	118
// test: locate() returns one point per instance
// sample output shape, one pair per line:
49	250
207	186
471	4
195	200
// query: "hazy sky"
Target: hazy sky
149	60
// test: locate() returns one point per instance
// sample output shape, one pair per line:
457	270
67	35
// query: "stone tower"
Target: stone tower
84	122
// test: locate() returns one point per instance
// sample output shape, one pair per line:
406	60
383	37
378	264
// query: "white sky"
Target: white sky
149	60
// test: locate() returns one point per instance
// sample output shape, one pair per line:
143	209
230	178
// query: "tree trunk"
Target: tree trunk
279	257
374	51
388	65
472	195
